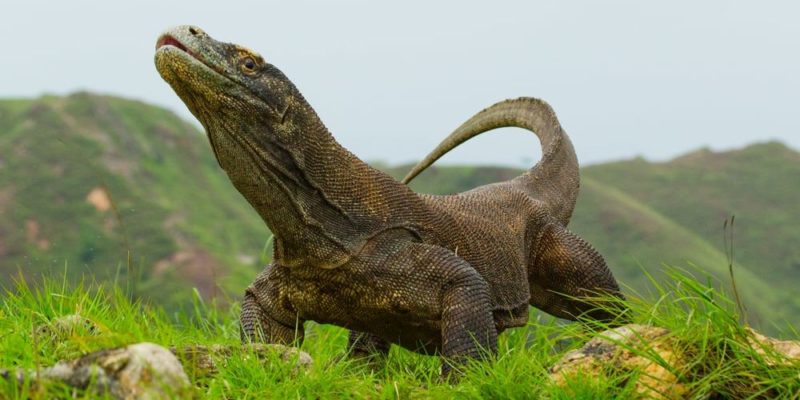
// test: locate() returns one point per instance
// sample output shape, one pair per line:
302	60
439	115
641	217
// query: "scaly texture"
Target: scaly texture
355	248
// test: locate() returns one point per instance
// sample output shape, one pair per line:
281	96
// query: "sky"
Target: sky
392	79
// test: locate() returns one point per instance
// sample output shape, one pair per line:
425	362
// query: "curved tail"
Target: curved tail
554	180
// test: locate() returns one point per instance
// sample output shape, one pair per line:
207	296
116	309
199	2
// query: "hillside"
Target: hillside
759	184
119	189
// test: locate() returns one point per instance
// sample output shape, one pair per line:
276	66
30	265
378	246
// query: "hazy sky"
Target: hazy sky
391	79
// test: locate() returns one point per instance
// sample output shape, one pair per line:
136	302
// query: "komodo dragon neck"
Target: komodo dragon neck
309	191
319	200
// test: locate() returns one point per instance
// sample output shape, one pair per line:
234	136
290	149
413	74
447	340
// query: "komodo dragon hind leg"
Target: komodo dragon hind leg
567	277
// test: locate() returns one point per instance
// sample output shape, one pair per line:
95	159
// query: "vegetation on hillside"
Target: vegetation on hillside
119	188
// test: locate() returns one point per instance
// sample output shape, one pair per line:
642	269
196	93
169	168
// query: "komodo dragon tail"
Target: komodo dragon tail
553	180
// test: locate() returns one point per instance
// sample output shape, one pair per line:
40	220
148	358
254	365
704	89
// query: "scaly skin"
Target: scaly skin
356	248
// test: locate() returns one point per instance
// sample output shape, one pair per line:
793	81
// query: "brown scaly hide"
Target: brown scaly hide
355	248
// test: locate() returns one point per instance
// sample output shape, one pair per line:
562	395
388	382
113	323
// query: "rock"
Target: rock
65	326
138	371
202	360
625	349
657	356
775	352
149	371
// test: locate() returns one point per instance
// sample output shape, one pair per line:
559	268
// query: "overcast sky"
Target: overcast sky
391	80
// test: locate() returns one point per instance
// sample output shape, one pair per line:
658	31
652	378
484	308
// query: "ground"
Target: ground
719	361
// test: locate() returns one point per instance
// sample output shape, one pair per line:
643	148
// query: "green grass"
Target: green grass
703	321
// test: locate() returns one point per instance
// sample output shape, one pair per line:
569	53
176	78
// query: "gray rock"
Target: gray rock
204	360
138	371
627	348
774	351
65	326
656	355
149	371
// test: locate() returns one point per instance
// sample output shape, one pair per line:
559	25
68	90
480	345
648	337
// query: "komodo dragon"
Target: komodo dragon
358	249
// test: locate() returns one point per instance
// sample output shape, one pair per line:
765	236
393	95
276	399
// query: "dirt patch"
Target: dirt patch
118	165
99	199
172	226
6	198
32	231
4	248
195	266
58	170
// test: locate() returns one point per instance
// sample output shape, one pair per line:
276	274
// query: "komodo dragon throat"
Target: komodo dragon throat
358	249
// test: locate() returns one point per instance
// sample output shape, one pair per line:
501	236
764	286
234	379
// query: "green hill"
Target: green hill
759	184
114	187
120	189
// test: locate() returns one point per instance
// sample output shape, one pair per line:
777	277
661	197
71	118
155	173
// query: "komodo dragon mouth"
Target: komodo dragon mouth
191	57
167	40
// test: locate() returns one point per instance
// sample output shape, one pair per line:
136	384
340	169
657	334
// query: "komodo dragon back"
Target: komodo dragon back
554	180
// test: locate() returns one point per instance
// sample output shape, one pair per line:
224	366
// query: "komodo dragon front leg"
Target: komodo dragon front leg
420	296
263	319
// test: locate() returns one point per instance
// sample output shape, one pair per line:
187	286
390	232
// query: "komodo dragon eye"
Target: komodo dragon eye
249	65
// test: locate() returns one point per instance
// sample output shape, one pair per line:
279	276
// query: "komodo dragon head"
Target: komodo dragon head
215	79
276	150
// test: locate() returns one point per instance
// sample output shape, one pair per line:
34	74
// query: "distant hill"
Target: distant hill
120	189
109	186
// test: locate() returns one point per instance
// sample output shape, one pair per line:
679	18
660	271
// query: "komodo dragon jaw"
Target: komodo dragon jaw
356	248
